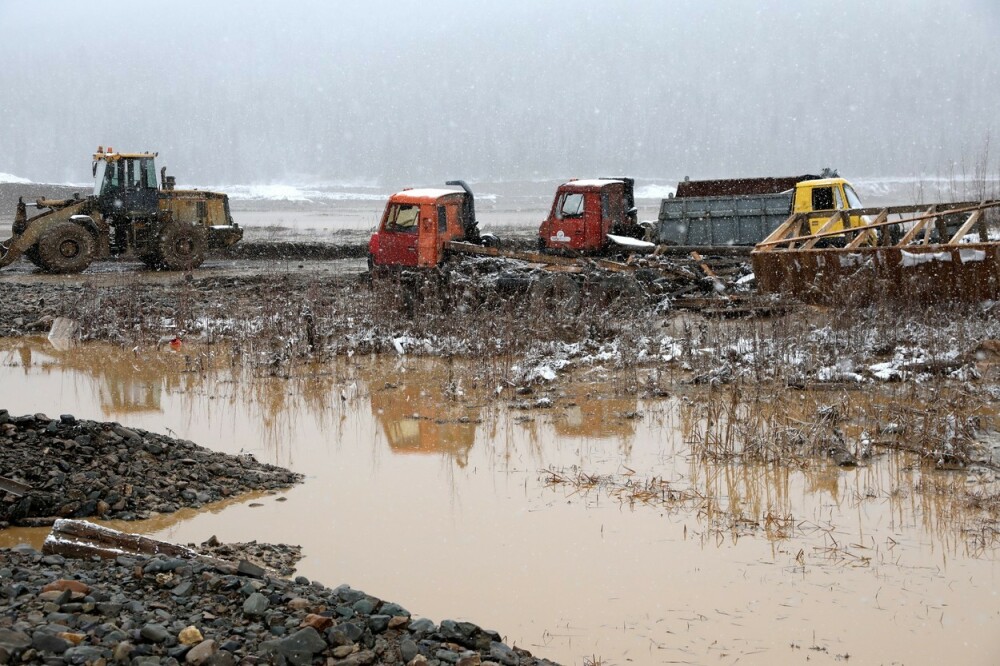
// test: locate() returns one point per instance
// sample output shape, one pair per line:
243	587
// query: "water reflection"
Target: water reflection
421	494
418	412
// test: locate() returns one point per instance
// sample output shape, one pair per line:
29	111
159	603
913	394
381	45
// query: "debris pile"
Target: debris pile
68	467
170	610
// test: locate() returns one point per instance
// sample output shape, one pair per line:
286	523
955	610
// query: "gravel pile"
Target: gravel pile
163	611
79	468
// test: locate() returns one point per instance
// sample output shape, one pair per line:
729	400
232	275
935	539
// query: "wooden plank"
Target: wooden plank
15	488
836	217
860	238
966	228
79	538
719	285
532	257
779	233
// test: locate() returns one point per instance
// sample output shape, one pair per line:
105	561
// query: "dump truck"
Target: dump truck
594	216
128	214
743	211
417	224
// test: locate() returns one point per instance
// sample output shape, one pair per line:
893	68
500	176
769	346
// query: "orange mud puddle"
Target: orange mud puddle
441	504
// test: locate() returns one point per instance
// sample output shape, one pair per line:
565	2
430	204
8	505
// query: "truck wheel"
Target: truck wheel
65	248
180	247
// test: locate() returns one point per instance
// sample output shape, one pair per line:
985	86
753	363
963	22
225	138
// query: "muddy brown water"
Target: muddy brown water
441	503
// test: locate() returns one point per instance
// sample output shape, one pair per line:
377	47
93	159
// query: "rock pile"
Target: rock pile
163	612
77	468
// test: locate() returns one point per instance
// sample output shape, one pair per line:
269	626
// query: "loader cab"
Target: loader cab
415	226
125	184
584	212
827	194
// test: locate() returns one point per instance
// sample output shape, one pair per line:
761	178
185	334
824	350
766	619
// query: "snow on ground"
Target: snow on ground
11	178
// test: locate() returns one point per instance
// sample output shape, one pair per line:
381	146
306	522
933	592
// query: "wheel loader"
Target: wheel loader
129	214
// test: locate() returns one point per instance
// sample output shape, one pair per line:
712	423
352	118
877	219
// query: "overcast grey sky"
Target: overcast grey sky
413	92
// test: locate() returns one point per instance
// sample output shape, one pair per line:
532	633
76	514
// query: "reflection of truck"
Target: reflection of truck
589	216
744	211
417	418
127	214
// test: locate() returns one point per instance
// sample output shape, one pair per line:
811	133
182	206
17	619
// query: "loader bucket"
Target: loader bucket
913	259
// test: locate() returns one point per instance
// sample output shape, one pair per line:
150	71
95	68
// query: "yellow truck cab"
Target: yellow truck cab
827	194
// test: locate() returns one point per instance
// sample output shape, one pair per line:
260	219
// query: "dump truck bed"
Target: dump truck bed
729	220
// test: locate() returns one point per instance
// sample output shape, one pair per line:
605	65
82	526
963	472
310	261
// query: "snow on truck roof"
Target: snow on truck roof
591	182
425	193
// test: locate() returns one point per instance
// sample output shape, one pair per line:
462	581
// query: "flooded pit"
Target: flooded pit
442	502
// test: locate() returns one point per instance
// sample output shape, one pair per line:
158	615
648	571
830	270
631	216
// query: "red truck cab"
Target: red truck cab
418	222
585	212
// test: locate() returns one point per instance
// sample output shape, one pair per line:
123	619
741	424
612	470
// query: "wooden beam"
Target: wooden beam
15	488
82	539
869	231
966	228
836	217
921	222
779	233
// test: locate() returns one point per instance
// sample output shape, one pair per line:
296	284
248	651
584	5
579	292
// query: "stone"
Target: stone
393	609
364	606
503	654
72	637
447	656
46	642
408	650
342	651
298	603
470	659
82	654
398	621
305	640
67	584
201	653
183	590
358	659
154	633
317	622
123	652
247	568
419	660
14	640
190	636
255	605
423	626
378	623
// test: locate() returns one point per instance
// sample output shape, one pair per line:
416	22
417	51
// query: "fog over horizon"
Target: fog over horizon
410	93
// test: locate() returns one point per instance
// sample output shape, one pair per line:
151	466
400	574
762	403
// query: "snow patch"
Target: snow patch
11	178
655	192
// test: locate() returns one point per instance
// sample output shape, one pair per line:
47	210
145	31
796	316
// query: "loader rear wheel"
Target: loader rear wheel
65	248
180	247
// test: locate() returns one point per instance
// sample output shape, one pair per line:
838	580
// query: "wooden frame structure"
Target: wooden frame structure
908	253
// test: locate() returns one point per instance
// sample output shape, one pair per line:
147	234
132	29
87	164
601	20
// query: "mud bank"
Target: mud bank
78	468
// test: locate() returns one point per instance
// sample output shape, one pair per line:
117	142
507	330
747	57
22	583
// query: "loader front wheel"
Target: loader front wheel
65	248
180	247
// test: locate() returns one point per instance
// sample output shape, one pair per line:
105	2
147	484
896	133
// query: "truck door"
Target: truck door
432	220
568	224
398	236
613	209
